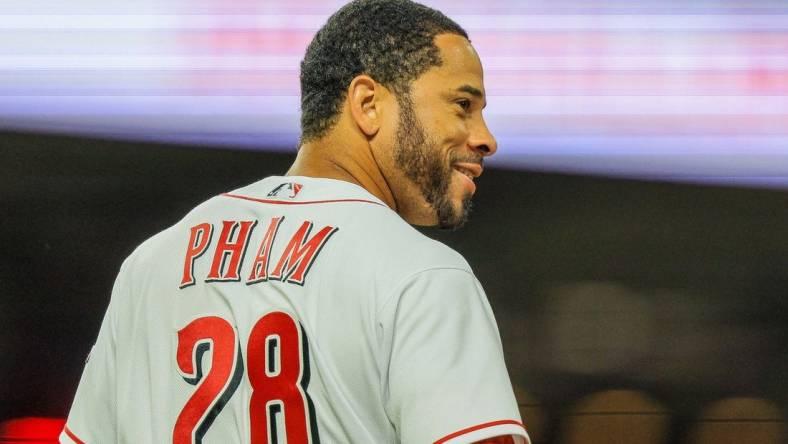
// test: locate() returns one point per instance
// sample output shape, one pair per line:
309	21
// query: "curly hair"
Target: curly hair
392	41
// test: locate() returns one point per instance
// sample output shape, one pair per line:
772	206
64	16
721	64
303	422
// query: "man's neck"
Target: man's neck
322	159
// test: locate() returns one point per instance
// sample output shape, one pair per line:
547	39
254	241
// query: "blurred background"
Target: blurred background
632	233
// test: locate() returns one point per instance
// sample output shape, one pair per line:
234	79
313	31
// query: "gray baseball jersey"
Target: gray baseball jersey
295	310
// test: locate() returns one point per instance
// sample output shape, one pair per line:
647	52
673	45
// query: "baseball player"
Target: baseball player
305	308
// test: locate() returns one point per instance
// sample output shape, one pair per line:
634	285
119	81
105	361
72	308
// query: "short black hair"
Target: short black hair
392	41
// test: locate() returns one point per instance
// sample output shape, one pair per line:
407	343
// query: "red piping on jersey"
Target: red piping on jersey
281	202
72	436
479	427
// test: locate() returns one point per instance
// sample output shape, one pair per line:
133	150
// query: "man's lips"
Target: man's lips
469	171
473	170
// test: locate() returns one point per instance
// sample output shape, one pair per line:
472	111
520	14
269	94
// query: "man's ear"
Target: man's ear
364	96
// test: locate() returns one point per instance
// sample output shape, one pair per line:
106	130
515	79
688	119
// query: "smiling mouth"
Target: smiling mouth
465	172
470	170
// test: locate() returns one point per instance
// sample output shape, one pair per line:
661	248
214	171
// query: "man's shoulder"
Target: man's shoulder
399	249
172	236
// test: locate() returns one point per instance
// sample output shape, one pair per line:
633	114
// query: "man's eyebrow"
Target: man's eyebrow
471	90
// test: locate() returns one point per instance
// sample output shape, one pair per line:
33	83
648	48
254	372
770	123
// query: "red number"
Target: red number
216	335
278	365
276	372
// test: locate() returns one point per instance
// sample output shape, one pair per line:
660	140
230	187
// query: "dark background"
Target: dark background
673	290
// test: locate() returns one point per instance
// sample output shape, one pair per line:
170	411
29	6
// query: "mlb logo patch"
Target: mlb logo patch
287	189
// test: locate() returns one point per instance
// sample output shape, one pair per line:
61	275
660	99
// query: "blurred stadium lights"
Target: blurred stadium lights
657	89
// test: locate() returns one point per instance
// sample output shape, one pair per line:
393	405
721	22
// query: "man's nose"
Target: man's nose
482	139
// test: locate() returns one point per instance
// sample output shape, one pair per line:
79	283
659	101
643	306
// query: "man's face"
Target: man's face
441	138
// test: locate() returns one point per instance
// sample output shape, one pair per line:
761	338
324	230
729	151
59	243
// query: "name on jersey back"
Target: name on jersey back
229	261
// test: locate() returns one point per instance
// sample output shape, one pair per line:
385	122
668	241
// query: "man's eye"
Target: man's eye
464	104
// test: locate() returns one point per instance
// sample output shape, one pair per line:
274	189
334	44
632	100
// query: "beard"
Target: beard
420	159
